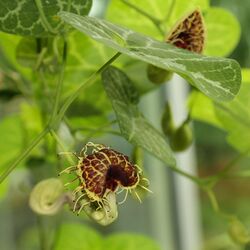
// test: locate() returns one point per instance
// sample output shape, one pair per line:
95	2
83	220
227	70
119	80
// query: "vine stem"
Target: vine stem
24	154
216	207
54	121
85	84
193	178
231	164
42	233
213	200
59	84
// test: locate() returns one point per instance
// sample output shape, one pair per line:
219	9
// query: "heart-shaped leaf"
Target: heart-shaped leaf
134	127
81	237
39	17
233	117
218	78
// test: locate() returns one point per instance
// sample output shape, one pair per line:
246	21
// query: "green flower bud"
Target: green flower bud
104	215
158	75
47	197
182	137
238	232
167	122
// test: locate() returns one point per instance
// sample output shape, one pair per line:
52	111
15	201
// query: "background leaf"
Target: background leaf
157	8
129	242
222	28
84	56
218	78
78	237
37	18
81	237
233	117
221	25
134	127
11	139
202	109
8	62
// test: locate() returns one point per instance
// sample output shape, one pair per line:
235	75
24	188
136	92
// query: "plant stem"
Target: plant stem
231	164
42	233
57	118
213	200
24	154
193	178
154	20
59	84
40	58
57	232
216	207
85	84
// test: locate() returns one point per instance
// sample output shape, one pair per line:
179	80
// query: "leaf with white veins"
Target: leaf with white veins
37	17
218	78
134	127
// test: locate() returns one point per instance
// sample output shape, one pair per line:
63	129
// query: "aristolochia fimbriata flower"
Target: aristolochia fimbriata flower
103	172
189	33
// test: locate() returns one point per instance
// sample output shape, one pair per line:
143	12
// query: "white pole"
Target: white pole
187	197
160	201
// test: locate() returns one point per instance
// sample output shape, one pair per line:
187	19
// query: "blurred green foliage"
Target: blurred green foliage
29	69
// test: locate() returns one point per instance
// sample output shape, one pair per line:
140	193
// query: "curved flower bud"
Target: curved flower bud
167	122
158	75
47	197
182	137
106	214
238	232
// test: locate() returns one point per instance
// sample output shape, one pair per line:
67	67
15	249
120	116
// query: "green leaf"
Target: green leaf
182	8
78	237
127	241
37	18
141	81
8	62
219	78
202	109
26	52
81	237
134	127
233	117
159	9
11	139
31	118
222	28
84	56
